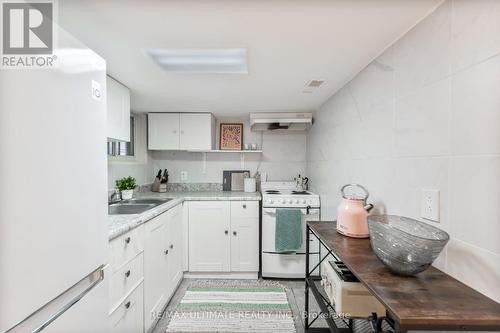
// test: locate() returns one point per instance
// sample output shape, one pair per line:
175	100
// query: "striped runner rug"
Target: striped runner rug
233	306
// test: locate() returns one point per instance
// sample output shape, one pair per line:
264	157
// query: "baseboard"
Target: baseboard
222	275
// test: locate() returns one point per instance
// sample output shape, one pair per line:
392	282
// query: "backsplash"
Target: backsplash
425	115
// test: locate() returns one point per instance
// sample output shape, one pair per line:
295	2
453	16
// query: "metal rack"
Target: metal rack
336	323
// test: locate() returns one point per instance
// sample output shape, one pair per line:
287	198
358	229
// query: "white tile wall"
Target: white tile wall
425	114
283	157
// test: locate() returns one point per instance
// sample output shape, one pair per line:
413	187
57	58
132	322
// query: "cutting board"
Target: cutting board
233	180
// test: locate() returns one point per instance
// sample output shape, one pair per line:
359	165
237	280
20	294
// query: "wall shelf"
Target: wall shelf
226	151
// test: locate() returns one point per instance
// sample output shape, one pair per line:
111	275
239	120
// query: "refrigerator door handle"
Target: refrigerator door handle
44	316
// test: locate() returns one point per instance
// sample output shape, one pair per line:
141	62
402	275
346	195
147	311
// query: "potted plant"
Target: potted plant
126	186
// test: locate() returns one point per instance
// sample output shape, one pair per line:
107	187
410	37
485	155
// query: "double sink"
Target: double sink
134	206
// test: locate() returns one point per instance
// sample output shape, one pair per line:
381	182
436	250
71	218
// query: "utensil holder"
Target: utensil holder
159	186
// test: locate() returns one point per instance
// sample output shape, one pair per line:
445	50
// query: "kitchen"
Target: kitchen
267	163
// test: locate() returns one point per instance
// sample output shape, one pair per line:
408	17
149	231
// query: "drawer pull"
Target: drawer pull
166	251
234	233
226	232
171	246
245	206
127	240
127	305
127	273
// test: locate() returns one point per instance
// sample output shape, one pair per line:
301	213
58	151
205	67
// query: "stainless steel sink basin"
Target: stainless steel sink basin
134	206
124	208
148	201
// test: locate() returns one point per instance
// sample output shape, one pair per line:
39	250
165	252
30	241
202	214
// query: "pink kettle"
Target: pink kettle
352	214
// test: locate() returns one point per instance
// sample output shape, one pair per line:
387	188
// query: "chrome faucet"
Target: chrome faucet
114	197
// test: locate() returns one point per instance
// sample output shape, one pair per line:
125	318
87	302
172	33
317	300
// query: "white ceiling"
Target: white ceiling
289	42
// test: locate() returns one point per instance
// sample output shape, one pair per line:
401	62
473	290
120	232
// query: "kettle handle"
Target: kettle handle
367	194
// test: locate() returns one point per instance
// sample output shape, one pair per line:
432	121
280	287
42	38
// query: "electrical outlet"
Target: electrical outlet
430	205
183	175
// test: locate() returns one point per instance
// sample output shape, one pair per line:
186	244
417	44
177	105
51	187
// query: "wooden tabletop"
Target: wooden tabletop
430	300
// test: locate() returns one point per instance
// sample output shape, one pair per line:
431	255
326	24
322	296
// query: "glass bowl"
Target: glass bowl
406	246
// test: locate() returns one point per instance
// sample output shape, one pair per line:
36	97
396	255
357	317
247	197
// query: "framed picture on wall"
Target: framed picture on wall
231	136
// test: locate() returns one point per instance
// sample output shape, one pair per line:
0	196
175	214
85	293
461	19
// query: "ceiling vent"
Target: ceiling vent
314	83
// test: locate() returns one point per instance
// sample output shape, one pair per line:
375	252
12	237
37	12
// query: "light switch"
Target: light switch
430	205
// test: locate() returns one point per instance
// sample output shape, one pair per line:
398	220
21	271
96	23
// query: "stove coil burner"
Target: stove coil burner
301	192
272	192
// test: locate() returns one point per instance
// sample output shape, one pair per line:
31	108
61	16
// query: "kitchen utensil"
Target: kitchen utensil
250	184
406	246
159	175
246	146
254	146
164	179
353	212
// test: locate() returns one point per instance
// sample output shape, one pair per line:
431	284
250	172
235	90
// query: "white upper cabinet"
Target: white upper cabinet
181	131
163	131
197	131
118	104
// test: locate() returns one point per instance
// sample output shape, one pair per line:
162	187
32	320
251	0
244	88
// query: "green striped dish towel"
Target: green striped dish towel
288	233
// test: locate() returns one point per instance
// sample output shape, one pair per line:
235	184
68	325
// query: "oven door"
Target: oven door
269	228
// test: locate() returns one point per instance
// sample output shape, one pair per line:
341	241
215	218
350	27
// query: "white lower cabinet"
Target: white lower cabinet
162	262
155	268
209	240
244	236
145	269
223	236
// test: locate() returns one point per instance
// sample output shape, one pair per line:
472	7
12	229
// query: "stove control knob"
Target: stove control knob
280	201
296	201
271	201
304	201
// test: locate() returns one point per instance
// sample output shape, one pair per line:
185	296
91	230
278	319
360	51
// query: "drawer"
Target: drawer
126	278
126	247
128	317
244	209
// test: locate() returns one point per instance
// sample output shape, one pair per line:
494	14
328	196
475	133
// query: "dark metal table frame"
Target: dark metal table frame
327	309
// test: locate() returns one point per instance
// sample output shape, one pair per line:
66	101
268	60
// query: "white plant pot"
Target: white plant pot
127	194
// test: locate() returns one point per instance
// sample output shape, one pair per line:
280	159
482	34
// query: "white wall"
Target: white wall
425	114
283	157
139	166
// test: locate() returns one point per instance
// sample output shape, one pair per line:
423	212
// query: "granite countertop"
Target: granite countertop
120	224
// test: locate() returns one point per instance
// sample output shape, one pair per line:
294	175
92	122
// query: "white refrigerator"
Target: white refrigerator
53	196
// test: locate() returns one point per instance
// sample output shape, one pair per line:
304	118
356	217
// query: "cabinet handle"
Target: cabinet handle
245	206
171	246
166	251
234	233
127	240
226	232
127	273
175	132
127	305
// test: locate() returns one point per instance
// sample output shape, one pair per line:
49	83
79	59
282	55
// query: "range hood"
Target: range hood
291	121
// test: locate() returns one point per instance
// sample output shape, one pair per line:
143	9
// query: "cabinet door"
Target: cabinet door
175	247
196	131
118	105
209	240
155	268
244	236
163	131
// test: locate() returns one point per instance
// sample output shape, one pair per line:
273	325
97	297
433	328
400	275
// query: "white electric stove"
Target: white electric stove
277	195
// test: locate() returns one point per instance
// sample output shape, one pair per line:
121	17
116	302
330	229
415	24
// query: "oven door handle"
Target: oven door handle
307	211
